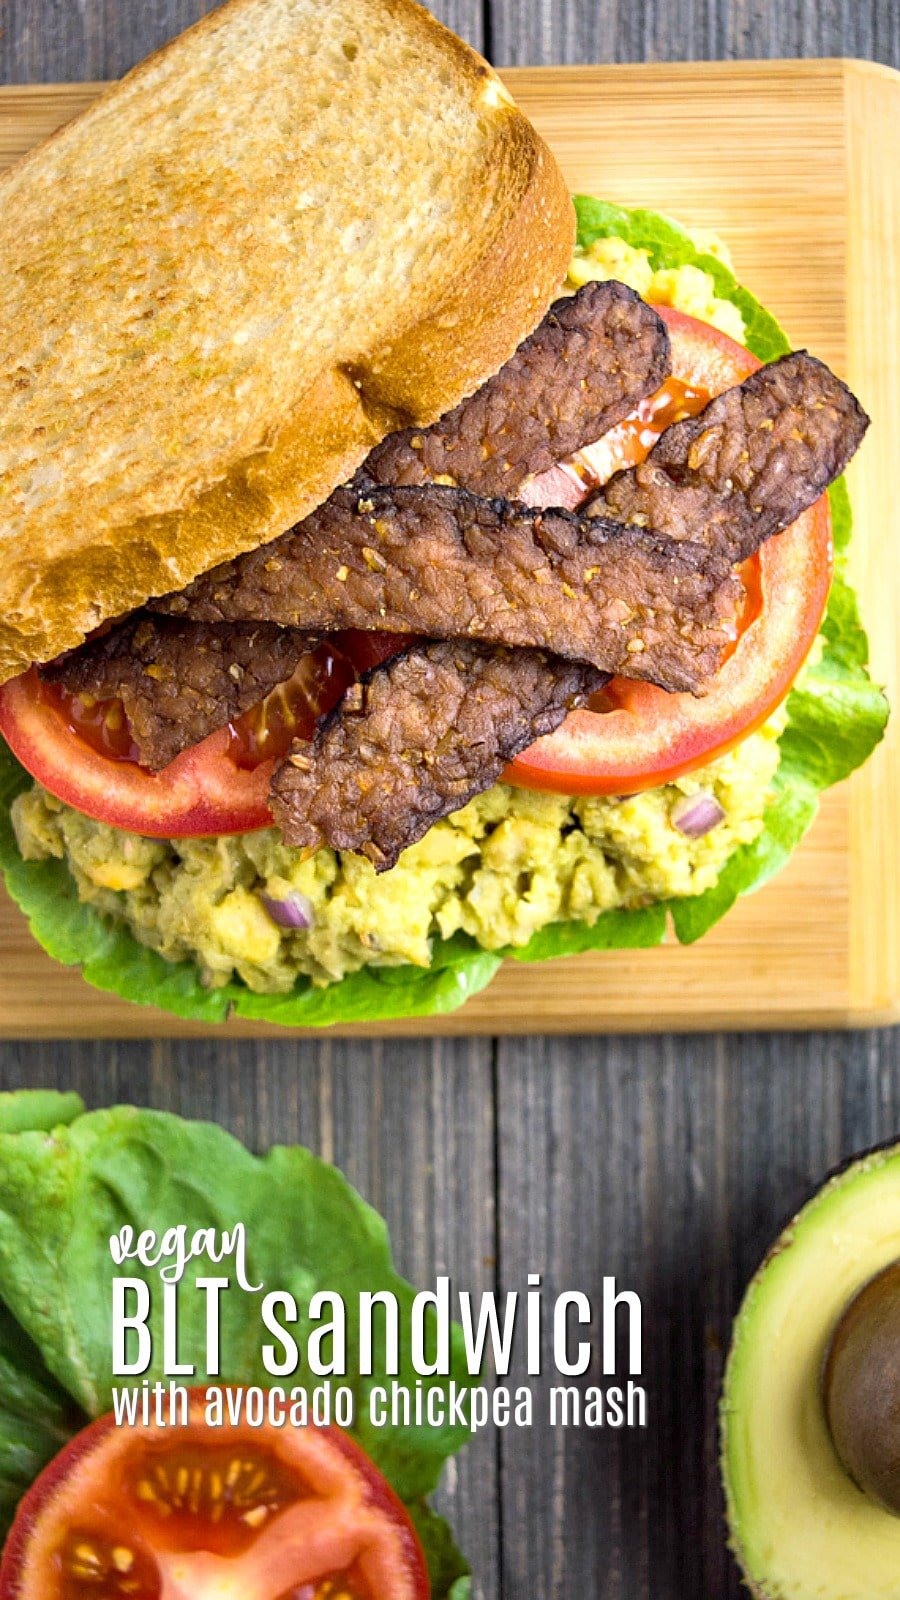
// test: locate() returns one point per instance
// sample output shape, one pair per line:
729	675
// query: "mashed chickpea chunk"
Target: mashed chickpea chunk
686	289
509	863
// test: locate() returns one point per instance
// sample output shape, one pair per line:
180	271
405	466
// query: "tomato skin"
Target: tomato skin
378	1501
646	736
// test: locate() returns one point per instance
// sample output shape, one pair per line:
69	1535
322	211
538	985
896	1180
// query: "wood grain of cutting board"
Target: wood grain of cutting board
794	164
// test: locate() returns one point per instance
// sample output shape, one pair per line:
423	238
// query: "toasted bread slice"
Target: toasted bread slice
300	225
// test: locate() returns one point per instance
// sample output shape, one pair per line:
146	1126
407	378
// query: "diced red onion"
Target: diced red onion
696	814
294	910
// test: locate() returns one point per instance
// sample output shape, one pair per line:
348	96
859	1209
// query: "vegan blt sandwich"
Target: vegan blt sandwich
401	566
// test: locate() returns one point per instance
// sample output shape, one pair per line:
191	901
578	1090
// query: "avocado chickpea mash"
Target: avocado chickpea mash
508	864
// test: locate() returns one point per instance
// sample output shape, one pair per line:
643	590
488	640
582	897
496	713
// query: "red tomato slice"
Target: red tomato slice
84	756
195	1513
634	736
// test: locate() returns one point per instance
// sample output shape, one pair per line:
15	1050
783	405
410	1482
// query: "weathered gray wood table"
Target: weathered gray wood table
669	1162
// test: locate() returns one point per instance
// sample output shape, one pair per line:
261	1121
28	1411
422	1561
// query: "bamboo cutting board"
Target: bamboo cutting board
793	163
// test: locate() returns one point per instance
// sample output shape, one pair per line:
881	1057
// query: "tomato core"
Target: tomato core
212	1496
87	1565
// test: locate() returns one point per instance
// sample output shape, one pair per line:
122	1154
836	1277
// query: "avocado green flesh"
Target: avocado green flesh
800	1527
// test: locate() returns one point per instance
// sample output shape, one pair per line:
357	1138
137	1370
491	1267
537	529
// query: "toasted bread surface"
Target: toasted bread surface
300	225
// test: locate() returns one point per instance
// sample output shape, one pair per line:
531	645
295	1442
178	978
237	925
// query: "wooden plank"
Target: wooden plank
550	32
671	1165
412	1127
822	944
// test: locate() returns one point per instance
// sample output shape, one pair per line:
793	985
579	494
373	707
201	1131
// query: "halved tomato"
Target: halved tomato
193	1513
634	736
83	754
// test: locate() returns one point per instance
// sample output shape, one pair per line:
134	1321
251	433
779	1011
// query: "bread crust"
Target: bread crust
56	587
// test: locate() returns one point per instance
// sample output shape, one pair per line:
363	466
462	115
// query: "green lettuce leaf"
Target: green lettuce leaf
33	1110
447	1568
613	930
64	1192
37	1416
837	716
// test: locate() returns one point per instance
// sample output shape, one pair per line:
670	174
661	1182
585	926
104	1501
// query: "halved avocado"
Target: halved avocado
800	1526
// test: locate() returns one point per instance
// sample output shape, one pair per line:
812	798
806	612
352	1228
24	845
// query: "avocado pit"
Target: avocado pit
861	1389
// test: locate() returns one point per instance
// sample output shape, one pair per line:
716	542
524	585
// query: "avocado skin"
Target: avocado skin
840	1176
